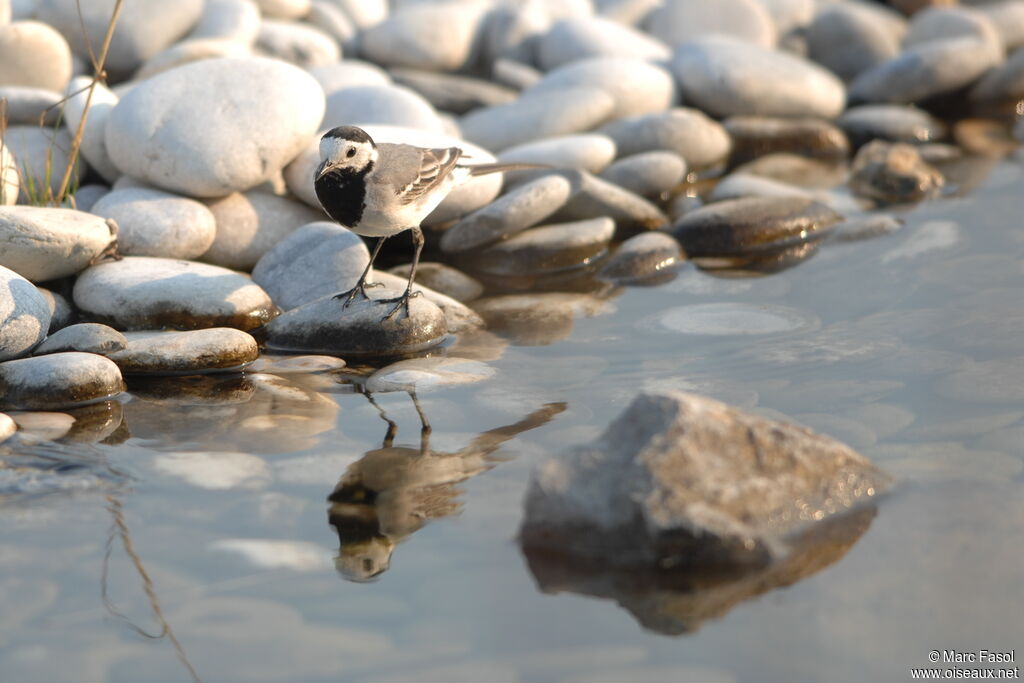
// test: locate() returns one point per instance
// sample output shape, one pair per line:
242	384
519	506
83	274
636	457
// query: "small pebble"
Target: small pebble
444	279
84	337
48	426
536	319
892	122
300	44
636	86
61	313
428	374
349	74
408	37
1002	85
571	40
28	105
146	293
452	93
24	315
699	140
677	21
739	185
893	173
548	248
648	174
192	50
943	23
391	105
642	257
58	380
459	317
584	151
796	170
235	20
594	198
755	136
34	55
44	244
849	38
295	365
217	349
157	223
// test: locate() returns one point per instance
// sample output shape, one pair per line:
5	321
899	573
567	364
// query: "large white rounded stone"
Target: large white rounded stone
43	243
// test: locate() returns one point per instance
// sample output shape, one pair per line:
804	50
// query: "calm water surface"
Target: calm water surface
910	347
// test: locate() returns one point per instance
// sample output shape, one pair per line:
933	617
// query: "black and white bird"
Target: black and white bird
380	190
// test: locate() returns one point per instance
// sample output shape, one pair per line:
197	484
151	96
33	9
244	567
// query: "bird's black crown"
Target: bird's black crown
350	133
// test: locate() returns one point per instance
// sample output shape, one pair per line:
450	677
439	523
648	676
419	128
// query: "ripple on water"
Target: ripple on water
735	319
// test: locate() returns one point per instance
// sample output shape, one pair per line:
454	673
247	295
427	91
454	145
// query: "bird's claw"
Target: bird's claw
399	303
350	295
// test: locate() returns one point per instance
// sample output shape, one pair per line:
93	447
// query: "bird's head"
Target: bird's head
345	148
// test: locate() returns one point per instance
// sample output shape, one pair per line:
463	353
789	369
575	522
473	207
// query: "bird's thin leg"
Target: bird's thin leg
425	428
389	437
362	284
417	241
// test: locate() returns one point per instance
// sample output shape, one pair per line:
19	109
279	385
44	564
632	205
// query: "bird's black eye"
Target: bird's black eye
351	152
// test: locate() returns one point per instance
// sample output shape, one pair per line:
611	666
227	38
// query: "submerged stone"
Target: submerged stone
217	349
548	248
642	257
536	319
680	480
325	326
58	380
756	136
424	374
893	174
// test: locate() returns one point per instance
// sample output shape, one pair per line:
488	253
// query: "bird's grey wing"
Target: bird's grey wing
415	171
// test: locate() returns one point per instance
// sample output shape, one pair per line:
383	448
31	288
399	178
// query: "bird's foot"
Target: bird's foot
400	302
360	288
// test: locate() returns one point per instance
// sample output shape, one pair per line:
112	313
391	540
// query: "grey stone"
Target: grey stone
451	93
512	30
381	104
523	207
84	337
892	122
58	380
793	169
43	243
549	248
146	293
94	140
249	224
428	374
685	481
699	140
325	326
1008	19
459	317
755	224
28	105
893	173
86	196
217	349
536	319
34	55
737	185
348	74
940	23
295	365
297	43
924	71
755	136
284	9
236	20
727	77
677	21
571	40
515	74
849	38
443	278
41	154
594	197
865	227
249	134
408	37
584	151
193	50
537	116
642	257
24	315
1004	84
329	18
157	223
143	28
470	196
638	87
648	174
61	313
317	259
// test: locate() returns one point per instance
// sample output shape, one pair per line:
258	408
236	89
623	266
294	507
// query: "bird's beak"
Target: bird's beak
324	169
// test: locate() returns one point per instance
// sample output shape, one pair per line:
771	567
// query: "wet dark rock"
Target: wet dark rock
594	198
756	264
671	601
680	481
85	337
754	224
323	326
648	174
893	174
94	423
756	136
643	257
690	133
536	319
521	208
217	349
58	380
43	244
24	315
444	279
452	93
892	122
547	248
144	293
317	259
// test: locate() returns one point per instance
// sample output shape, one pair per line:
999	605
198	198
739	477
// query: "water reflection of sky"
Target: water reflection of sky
910	347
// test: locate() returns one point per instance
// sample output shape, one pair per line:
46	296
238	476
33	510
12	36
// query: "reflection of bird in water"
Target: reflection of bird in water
393	491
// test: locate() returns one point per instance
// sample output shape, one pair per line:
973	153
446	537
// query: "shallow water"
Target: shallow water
909	347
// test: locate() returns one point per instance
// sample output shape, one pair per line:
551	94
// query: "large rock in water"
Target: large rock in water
204	130
680	480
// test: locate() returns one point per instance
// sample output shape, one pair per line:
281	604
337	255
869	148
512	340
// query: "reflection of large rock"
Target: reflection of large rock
680	480
676	602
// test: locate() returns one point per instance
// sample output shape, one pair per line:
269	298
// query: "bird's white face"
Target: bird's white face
341	153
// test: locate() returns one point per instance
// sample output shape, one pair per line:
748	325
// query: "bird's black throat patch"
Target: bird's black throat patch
342	193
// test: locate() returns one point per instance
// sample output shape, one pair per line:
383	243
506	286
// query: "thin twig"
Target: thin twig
98	75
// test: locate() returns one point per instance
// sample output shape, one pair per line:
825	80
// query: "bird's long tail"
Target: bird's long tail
484	169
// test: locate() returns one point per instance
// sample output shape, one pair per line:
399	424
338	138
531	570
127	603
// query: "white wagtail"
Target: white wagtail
382	190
